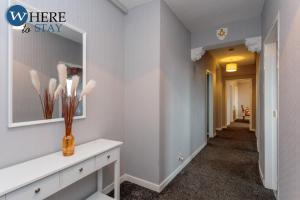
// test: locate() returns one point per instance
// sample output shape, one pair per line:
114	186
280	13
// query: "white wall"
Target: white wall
142	71
289	98
164	94
104	25
244	97
178	101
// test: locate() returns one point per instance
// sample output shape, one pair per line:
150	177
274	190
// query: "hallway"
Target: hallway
226	169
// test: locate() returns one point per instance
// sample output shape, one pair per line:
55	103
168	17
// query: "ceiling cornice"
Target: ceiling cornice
120	5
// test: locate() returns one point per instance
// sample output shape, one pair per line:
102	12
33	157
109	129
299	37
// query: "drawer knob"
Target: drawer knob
37	190
81	170
108	157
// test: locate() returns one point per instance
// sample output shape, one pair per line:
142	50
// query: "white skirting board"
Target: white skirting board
178	170
261	174
219	129
110	187
153	186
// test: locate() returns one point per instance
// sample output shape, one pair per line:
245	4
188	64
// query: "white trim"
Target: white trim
261	174
252	129
153	186
271	107
224	127
12	124
167	180
141	182
120	6
276	194
253	44
219	129
46	121
108	189
197	53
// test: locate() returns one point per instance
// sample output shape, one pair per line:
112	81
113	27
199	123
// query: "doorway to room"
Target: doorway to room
239	102
235	85
209	104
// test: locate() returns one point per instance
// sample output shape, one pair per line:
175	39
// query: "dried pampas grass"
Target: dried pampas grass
58	92
52	87
62	75
75	82
87	89
35	81
49	96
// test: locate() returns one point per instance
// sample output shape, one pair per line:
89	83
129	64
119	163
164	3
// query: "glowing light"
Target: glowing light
232	59
231	67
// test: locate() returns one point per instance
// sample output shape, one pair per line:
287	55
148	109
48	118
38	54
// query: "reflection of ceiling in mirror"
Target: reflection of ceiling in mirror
70	65
66	32
71	34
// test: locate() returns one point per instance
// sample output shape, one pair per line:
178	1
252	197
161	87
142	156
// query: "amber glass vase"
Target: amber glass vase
68	143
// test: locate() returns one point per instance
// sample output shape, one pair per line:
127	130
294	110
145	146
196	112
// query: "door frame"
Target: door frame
271	105
209	104
229	92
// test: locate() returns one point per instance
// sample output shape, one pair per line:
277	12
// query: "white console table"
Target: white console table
40	178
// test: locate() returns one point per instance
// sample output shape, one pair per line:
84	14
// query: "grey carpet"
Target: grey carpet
226	169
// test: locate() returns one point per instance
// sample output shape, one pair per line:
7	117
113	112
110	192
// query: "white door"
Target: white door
271	108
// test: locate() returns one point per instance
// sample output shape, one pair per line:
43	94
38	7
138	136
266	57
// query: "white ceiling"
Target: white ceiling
200	14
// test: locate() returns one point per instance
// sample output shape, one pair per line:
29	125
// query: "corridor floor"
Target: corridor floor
226	169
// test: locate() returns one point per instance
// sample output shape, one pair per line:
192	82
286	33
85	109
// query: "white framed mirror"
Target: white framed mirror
42	52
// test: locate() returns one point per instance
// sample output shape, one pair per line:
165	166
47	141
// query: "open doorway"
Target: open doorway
209	104
239	102
271	86
235	86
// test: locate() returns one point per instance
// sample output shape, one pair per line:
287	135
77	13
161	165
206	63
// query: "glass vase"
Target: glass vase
68	144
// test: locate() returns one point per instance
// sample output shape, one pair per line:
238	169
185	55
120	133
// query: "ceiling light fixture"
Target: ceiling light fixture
231	67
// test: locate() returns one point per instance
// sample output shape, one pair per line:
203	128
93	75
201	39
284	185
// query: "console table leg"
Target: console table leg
117	180
100	180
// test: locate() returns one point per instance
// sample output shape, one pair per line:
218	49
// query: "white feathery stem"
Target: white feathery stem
75	82
52	86
62	75
35	81
58	91
87	89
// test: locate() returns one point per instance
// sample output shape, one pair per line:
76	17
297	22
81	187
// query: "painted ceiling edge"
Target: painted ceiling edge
120	6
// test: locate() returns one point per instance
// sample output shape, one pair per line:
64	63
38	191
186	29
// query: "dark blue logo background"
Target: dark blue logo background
17	15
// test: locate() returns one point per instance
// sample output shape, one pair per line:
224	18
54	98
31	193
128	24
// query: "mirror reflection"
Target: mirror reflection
36	55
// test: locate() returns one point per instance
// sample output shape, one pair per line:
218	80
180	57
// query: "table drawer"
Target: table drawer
36	191
73	174
107	158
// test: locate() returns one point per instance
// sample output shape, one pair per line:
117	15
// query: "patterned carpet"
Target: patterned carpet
226	169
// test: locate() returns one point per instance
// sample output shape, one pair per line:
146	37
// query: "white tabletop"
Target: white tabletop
17	176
